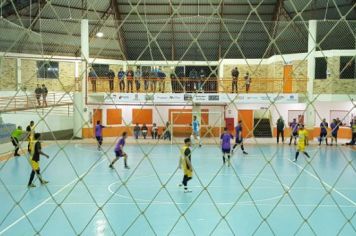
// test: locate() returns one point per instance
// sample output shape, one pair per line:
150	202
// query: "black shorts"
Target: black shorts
99	138
226	150
323	134
334	135
295	134
238	141
14	141
119	154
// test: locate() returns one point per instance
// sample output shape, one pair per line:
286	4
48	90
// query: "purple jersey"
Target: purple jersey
294	126
119	144
334	128
238	130
99	130
323	127
226	138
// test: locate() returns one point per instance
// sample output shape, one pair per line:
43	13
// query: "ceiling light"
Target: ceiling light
99	34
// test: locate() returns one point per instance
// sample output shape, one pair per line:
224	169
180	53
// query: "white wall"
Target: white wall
45	124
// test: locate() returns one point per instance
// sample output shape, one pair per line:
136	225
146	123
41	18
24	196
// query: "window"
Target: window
101	70
321	68
47	70
347	68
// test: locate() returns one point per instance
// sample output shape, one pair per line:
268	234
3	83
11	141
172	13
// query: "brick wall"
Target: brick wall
333	84
65	82
7	74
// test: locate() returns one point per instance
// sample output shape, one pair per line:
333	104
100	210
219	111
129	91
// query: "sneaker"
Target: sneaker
44	182
17	155
295	160
31	185
180	185
187	190
199	145
244	152
127	167
111	166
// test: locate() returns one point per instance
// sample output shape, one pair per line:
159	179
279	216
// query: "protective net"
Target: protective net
186	49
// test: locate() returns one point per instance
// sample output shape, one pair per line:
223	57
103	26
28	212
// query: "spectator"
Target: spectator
167	132
44	95
153	79
193	75
121	77
111	76
235	76
137	130
129	77
38	93
162	78
154	131
280	129
146	78
247	82
144	131
93	77
174	82
201	81
137	79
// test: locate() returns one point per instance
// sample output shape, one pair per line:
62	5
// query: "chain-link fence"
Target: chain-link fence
40	44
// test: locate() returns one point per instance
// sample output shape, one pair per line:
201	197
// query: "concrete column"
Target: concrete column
80	112
310	116
18	74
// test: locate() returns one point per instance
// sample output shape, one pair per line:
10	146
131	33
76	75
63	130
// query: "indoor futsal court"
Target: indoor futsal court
177	117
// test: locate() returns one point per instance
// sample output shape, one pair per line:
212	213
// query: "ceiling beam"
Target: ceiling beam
275	20
120	35
220	27
172	29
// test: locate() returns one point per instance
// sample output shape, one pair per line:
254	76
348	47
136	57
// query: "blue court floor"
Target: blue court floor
263	193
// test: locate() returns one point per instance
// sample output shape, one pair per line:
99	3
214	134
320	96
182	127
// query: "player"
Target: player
334	130
196	130
323	131
302	135
239	139
36	151
294	133
186	164
15	136
119	152
30	129
99	134
225	142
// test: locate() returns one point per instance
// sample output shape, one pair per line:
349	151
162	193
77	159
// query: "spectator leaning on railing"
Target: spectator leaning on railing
162	78
137	76
38	93
235	76
121	77
129	77
44	95
247	82
111	76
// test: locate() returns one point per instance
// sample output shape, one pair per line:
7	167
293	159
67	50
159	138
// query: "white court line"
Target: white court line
46	200
207	203
326	184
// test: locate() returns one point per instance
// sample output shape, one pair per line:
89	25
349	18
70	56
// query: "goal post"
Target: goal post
211	125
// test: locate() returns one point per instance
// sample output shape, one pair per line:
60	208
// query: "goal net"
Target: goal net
211	125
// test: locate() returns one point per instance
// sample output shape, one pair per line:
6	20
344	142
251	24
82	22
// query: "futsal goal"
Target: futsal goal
211	125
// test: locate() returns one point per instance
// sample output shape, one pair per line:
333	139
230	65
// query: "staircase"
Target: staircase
262	128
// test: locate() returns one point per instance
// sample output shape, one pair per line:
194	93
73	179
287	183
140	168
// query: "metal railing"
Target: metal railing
187	85
30	101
